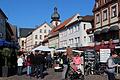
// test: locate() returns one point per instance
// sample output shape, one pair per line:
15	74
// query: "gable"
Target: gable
75	18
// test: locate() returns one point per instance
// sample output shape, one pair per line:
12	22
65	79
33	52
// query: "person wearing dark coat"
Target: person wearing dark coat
40	65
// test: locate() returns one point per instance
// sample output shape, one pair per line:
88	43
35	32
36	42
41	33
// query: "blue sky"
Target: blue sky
29	13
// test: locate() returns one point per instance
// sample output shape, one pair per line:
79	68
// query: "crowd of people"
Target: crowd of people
39	61
35	64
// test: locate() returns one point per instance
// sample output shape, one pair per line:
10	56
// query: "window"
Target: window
84	26
22	43
45	31
49	31
35	42
72	41
98	18
105	1
74	29
40	36
35	36
69	41
77	28
113	12
91	38
104	15
85	38
45	36
40	30
77	40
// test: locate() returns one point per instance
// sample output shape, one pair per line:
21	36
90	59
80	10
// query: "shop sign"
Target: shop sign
104	55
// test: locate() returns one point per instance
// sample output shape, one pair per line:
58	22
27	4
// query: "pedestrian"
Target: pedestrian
65	66
20	65
77	60
28	65
40	60
32	58
111	66
49	60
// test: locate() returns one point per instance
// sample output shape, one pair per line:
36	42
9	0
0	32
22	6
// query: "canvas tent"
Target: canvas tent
42	48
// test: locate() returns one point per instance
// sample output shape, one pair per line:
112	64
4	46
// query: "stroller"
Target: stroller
74	73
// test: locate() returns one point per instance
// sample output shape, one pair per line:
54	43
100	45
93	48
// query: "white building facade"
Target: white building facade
22	43
37	36
74	34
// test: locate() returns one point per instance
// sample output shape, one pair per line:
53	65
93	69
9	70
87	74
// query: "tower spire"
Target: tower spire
55	17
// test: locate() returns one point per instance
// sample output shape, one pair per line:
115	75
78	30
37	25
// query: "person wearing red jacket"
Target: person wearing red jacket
28	65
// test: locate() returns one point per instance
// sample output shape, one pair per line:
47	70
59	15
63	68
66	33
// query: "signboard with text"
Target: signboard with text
104	55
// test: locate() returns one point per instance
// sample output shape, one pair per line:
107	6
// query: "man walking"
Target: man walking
111	66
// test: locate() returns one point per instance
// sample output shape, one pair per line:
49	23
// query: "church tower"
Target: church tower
55	18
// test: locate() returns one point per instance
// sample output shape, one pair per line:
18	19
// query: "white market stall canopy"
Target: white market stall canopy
42	48
63	50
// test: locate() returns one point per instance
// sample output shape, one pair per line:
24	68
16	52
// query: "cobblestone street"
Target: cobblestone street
53	76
